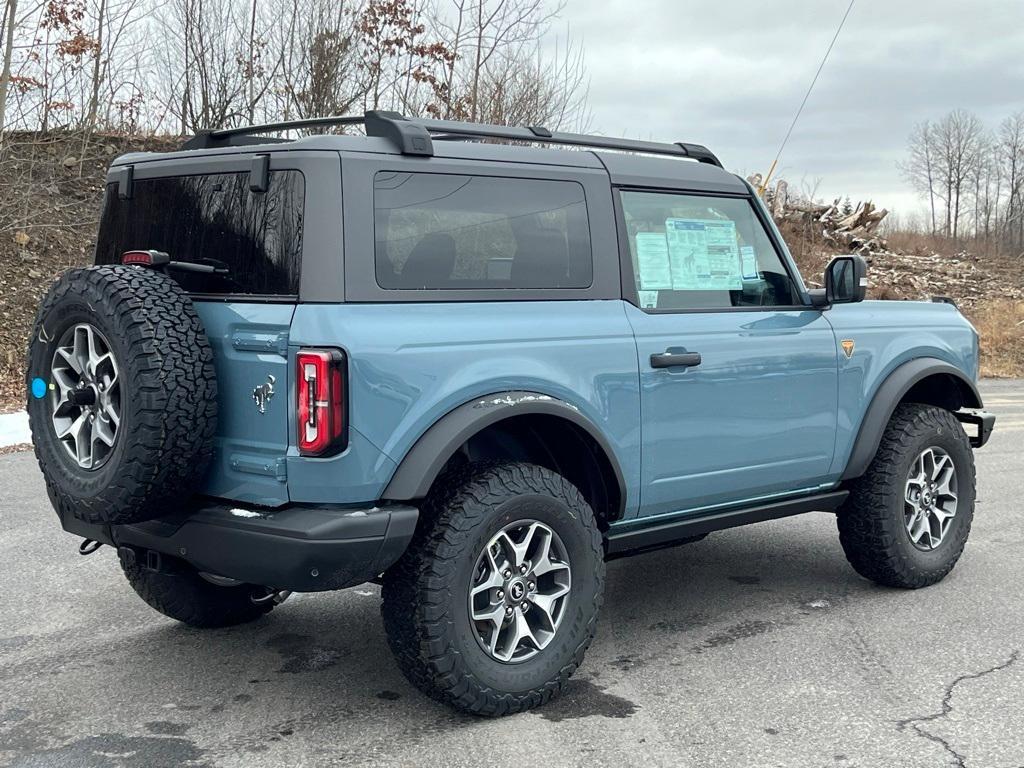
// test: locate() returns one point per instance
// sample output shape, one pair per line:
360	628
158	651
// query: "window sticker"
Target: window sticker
704	255
652	261
648	299
688	253
748	260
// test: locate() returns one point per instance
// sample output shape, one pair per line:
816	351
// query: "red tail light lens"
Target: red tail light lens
320	386
145	258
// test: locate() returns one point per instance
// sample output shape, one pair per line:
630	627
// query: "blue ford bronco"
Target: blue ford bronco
467	365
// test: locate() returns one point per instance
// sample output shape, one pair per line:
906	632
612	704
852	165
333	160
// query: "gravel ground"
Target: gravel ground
758	646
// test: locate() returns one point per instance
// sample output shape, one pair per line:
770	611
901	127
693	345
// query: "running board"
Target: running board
637	537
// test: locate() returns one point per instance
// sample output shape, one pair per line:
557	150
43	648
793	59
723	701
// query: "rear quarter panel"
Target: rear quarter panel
411	364
887	334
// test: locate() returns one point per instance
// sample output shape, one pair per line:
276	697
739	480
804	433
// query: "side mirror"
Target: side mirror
846	280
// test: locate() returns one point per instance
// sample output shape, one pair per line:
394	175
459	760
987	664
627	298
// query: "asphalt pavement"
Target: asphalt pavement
756	647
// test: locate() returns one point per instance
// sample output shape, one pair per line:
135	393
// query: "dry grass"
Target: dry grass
1000	323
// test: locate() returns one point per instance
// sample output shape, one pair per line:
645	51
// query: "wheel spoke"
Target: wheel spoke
83	442
919	527
521	633
103	431
493	581
68	354
492	613
545	605
545	564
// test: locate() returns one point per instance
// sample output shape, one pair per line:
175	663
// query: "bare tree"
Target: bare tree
1011	149
319	47
920	169
10	17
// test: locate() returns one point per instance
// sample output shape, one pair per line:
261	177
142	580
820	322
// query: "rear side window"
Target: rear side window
453	232
257	236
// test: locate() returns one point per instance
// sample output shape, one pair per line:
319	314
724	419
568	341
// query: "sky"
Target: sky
730	74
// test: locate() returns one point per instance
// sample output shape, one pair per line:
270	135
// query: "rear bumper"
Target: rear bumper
299	548
983	420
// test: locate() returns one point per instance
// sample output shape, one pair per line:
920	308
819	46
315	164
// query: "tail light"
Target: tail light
145	258
321	401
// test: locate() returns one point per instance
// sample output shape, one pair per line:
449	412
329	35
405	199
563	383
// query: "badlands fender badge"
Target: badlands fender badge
847	345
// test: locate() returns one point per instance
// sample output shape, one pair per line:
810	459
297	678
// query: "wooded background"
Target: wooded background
176	66
971	178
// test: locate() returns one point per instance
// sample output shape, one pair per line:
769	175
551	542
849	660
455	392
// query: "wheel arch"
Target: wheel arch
517	425
921	380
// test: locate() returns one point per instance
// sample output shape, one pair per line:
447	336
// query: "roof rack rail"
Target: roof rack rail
405	134
451	130
412	136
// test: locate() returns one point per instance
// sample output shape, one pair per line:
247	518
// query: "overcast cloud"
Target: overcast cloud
730	74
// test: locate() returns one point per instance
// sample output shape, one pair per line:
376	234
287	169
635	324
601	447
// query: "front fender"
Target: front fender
888	396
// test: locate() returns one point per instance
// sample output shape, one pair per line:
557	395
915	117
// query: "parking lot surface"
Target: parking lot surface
757	646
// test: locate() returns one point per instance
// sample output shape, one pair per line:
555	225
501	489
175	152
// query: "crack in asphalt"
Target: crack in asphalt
947	707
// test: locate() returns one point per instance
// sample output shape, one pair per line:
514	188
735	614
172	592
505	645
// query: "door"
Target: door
738	377
204	211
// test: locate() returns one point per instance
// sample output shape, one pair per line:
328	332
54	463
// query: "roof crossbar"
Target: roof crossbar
412	136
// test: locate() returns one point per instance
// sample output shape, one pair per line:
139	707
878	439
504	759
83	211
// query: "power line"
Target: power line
806	96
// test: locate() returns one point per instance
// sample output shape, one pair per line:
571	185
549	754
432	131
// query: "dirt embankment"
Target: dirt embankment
51	191
50	196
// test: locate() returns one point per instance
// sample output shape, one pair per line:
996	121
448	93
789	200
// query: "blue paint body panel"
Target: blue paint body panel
756	417
250	343
409	365
887	334
772	410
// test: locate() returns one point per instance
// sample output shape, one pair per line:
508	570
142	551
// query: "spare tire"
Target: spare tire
123	394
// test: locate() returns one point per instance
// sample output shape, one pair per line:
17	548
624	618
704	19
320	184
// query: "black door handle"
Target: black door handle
672	359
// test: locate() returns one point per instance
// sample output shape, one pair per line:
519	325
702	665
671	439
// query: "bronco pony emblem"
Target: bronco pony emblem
262	394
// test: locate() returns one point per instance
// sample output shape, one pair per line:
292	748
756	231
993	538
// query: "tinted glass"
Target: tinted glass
693	252
442	231
257	236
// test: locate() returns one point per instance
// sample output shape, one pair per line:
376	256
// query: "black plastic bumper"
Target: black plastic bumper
300	548
983	420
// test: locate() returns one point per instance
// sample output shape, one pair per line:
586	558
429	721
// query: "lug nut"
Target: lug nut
522	569
508	611
507	574
501	593
532	586
526	607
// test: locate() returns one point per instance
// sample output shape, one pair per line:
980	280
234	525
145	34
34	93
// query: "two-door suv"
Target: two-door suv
452	360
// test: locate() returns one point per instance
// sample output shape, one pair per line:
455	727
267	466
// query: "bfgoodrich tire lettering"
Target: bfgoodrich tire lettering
168	394
426	611
872	523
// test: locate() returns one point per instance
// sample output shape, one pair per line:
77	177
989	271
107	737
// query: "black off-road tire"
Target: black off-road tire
164	443
871	521
179	592
425	595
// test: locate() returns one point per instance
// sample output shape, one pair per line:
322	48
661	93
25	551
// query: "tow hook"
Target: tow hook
88	546
275	596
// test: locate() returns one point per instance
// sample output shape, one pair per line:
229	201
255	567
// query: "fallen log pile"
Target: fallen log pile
842	226
822	230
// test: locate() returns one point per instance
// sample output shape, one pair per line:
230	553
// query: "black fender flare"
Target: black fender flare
428	455
889	395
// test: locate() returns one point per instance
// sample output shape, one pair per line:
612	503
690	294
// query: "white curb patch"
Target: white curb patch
14	429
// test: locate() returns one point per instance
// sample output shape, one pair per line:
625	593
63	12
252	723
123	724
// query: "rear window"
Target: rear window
453	232
257	236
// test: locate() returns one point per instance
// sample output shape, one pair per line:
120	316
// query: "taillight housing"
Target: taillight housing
322	410
145	258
